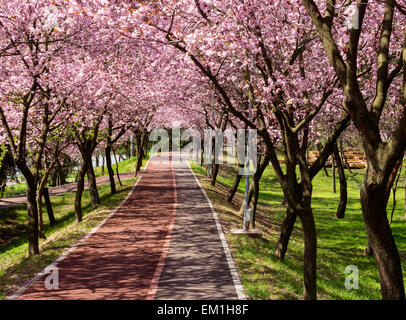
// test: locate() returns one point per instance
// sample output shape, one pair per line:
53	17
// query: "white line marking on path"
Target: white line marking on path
69	250
233	270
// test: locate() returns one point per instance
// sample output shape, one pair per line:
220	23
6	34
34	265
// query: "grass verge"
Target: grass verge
340	242
16	268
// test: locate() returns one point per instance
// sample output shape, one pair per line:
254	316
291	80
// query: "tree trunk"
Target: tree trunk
214	166
79	191
32	210
392	177
340	214
310	254
91	178
325	171
102	169
255	201
287	225
202	160
118	175
139	140
144	144
41	229
380	235
170	140
215	172
139	164
110	170
285	233
333	174
368	250
48	204
235	185
41	190
394	191
343	156
202	153
284	201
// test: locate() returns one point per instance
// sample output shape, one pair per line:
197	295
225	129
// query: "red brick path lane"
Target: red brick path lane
119	260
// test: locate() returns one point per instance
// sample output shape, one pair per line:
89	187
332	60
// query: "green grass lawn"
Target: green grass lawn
340	242
15	266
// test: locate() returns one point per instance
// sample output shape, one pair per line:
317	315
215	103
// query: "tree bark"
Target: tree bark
343	156
91	178
214	173
145	145
139	141
392	177
394	191
368	250
48	204
287	226
325	171
202	160
32	210
214	166
235	185
333	174
102	169
41	190
310	254
255	200
41	228
340	213
79	191
110	170
373	193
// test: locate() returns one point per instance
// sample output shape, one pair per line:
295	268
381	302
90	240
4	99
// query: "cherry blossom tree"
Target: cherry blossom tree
249	56
33	42
378	38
